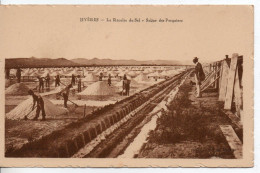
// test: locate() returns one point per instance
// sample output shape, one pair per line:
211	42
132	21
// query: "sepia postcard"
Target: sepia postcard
127	86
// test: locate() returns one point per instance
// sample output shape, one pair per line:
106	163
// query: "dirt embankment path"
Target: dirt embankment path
190	128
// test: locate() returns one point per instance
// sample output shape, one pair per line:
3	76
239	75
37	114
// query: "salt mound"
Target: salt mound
155	74
165	73
119	84
17	89
98	88
133	82
89	78
132	73
142	78
57	89
24	108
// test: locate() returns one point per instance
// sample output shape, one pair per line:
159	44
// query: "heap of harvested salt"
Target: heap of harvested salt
55	73
154	74
98	88
58	89
132	83
119	84
44	74
131	73
25	72
17	89
70	73
147	71
165	73
25	109
121	73
34	74
112	73
142	78
89	78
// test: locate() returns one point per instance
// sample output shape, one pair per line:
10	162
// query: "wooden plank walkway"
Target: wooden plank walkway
235	120
233	140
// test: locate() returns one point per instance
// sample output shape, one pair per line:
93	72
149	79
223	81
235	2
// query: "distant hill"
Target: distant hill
62	62
37	62
97	61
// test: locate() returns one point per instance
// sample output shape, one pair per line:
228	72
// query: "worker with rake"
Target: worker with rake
79	83
37	99
73	79
109	80
47	80
41	84
65	94
57	80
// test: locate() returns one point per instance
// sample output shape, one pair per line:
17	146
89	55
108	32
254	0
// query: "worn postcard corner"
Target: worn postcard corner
127	86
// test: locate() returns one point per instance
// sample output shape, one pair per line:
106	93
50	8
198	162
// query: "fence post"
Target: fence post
231	80
224	81
220	75
237	94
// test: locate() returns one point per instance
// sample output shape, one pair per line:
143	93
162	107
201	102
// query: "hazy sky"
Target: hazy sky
208	32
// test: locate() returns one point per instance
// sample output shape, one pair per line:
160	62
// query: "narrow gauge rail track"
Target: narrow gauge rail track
68	141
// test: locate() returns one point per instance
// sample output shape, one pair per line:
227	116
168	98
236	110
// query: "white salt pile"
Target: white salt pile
142	78
55	91
131	73
25	108
154	74
17	89
98	88
112	73
165	73
119	84
89	78
133	82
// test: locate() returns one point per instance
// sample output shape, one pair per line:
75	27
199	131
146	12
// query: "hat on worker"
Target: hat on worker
196	58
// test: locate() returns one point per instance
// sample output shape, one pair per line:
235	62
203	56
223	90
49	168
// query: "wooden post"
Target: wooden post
237	94
212	69
231	80
216	76
220	75
224	80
